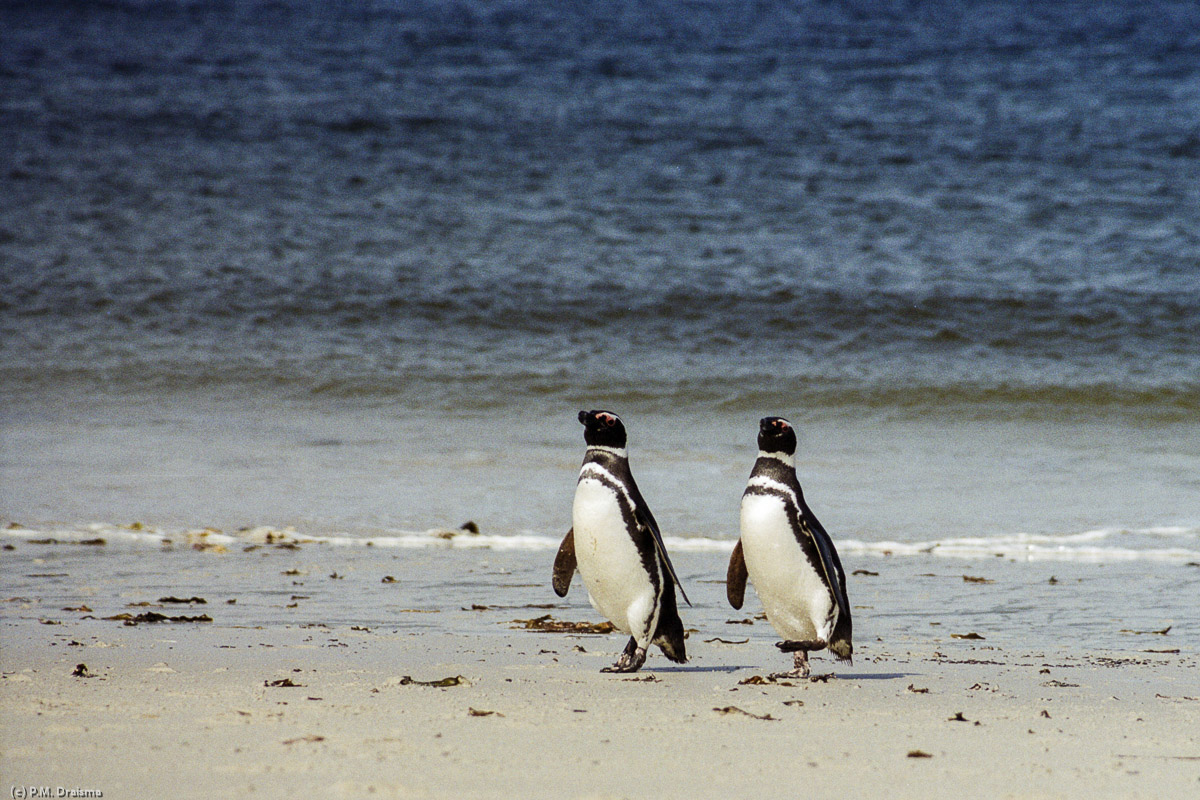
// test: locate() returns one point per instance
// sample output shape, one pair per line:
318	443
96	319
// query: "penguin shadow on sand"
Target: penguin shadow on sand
876	676
726	669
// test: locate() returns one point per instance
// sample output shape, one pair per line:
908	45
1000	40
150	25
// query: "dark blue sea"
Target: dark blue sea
891	205
349	271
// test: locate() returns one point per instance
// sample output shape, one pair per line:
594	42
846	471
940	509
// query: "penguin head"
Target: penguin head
602	429
776	435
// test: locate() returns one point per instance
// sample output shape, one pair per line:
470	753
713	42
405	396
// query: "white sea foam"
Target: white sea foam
1099	545
1105	544
1006	548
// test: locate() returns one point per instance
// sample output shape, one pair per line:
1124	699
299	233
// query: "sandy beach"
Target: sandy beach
193	710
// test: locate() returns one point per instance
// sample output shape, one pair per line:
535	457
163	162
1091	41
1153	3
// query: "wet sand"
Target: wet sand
195	710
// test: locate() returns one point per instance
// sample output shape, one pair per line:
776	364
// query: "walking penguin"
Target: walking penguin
616	546
788	556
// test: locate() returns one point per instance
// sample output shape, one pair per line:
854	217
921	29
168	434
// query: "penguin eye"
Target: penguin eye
608	420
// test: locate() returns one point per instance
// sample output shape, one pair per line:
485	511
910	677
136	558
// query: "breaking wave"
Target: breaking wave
1168	544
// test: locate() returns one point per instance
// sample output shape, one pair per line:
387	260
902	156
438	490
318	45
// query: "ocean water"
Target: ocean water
352	269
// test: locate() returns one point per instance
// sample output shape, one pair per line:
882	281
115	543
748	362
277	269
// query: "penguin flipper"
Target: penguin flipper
646	519
564	564
841	639
735	577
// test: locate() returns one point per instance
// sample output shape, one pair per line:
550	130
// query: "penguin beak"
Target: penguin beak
583	417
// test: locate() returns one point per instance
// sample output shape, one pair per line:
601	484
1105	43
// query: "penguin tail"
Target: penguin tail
843	649
669	634
841	642
673	649
669	639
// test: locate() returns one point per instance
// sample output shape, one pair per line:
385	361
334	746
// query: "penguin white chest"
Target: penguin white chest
792	589
609	562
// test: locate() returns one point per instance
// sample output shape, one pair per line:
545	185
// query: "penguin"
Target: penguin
616	545
789	557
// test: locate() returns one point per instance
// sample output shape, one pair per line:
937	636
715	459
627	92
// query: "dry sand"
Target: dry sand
184	711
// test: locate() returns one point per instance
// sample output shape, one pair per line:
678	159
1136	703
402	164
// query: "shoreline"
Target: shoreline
203	711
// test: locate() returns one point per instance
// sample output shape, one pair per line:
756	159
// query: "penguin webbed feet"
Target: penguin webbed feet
799	651
631	659
800	667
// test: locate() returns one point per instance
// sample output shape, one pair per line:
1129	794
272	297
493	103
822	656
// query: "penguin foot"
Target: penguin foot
631	659
628	663
793	646
799	664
